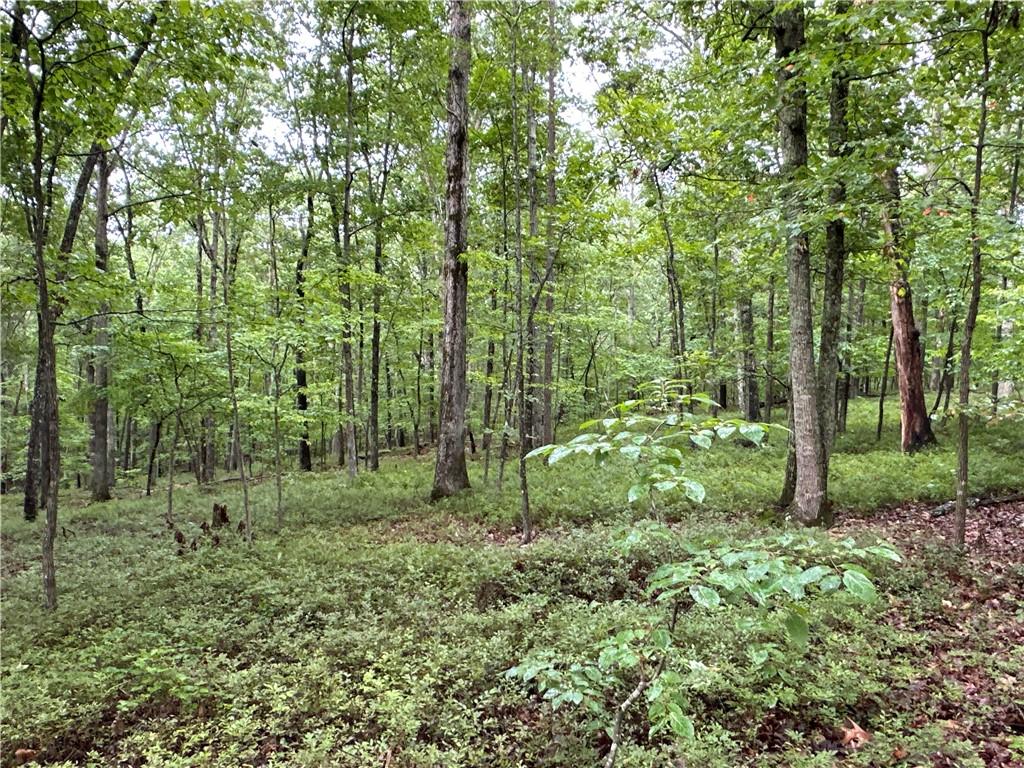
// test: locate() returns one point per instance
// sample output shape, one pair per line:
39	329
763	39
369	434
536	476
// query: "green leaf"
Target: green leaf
753	432
636	493
694	490
701	440
630	451
681	725
705	596
797	628
830	583
813	574
860	586
661	639
544	450
560	453
886	552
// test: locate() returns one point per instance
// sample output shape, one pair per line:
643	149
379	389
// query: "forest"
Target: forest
410	383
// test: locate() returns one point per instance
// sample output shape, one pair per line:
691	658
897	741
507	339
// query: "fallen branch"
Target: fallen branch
947	507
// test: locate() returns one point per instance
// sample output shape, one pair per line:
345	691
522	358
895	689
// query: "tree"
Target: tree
809	499
450	475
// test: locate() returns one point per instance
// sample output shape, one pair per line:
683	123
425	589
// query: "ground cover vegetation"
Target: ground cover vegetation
512	383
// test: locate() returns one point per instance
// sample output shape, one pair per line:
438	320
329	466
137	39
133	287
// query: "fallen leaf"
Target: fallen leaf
854	736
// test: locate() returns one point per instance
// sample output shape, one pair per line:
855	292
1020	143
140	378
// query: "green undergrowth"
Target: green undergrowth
376	629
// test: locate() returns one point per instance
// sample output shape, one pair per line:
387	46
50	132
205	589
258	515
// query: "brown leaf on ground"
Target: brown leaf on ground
854	736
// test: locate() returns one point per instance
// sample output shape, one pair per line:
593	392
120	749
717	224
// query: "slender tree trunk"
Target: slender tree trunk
450	475
884	384
809	499
1003	388
547	382
747	394
529	437
915	425
373	422
835	265
963	418
301	399
98	366
769	358
714	385
843	405
351	452
172	460
154	444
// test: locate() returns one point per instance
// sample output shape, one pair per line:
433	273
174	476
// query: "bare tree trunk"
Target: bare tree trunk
769	358
154	444
835	266
809	499
98	366
351	452
170	465
963	420
547	382
884	384
915	425
301	399
746	386
1003	388
450	475
529	437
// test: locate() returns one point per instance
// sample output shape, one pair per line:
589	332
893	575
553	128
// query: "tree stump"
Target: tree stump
220	515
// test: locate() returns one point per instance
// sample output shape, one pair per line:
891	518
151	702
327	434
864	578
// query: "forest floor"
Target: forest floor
375	629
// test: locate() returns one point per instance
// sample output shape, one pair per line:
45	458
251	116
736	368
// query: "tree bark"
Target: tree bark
769	358
301	398
547	382
809	498
884	384
747	393
915	425
450	475
98	365
963	418
835	264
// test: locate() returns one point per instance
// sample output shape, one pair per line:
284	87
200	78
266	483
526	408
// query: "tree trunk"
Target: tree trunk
835	265
98	366
301	399
915	425
747	394
529	437
963	419
809	498
450	475
351	452
154	444
769	357
884	384
547	382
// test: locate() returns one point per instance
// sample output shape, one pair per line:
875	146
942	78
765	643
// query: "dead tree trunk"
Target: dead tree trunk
915	425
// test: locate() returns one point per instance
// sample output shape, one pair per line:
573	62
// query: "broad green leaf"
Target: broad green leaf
560	453
797	628
859	586
694	490
705	596
636	493
701	440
